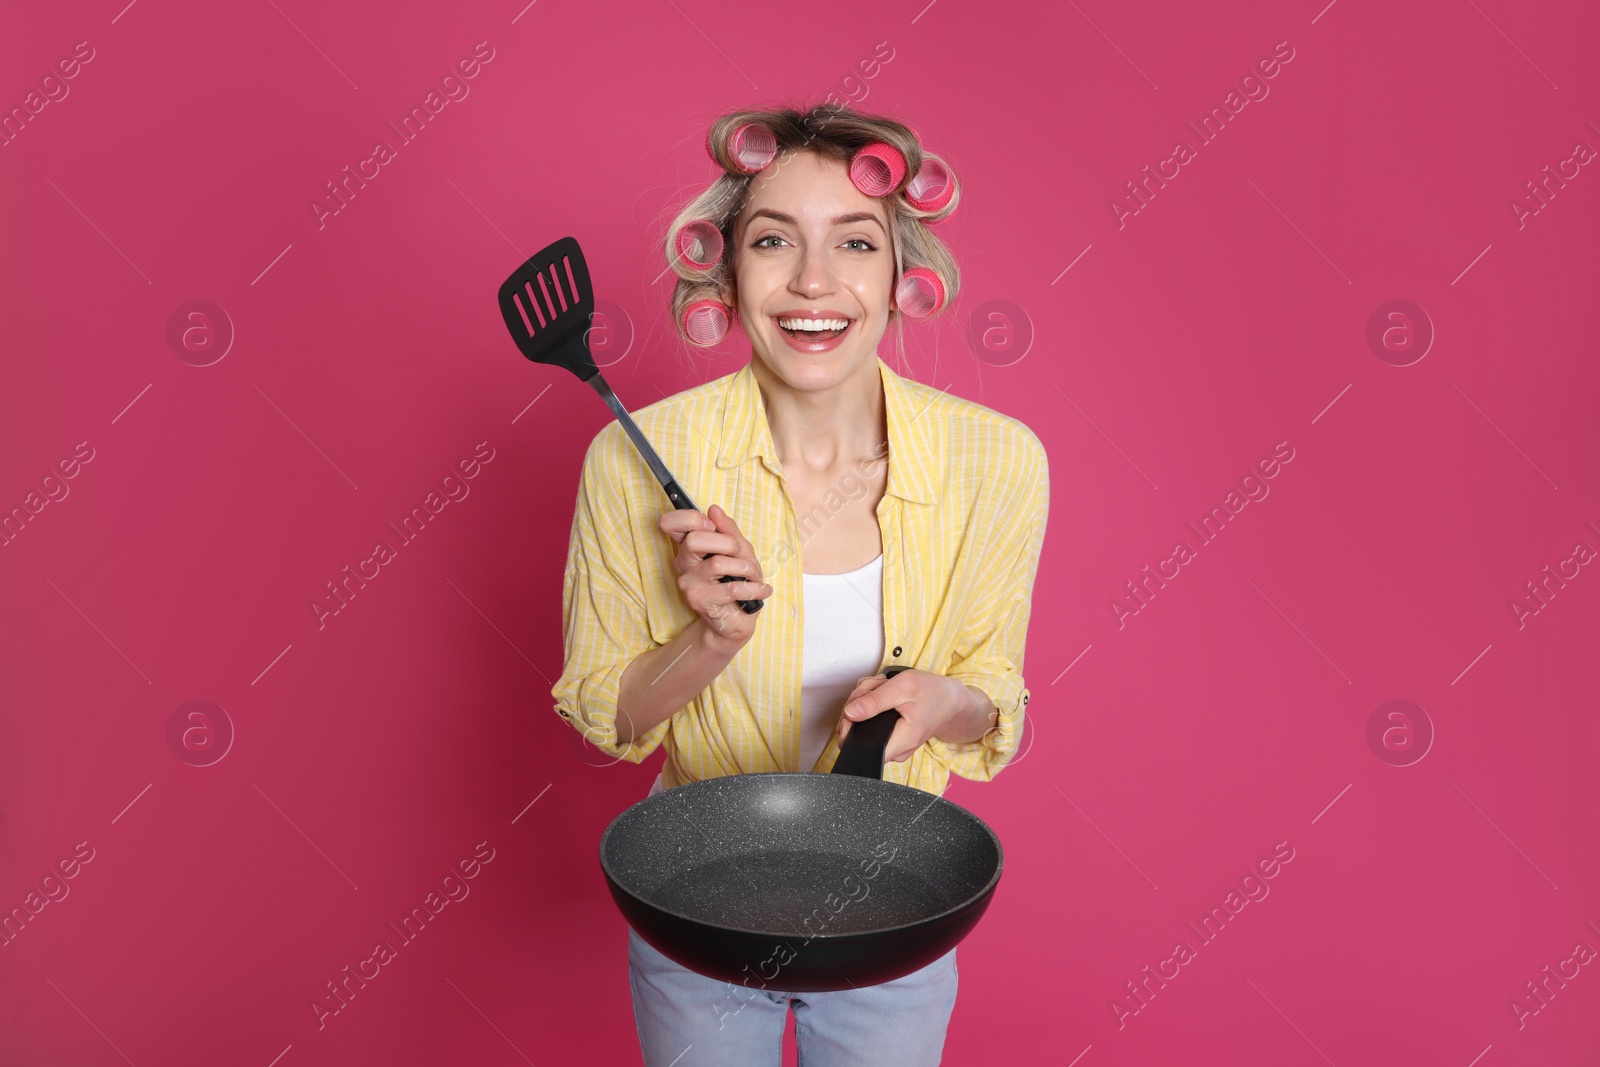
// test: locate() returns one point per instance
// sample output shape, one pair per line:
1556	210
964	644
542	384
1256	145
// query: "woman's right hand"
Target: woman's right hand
709	546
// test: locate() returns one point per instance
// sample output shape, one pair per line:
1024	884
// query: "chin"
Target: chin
804	373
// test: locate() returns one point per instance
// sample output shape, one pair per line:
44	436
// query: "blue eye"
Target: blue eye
870	247
769	237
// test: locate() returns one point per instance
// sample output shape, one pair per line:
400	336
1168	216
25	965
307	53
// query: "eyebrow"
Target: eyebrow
860	216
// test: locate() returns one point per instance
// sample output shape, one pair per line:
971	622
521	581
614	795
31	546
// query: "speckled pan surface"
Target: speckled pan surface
762	853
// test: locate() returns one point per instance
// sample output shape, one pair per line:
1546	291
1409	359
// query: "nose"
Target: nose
813	273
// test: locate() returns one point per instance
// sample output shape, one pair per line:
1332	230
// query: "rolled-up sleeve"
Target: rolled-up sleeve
603	616
988	654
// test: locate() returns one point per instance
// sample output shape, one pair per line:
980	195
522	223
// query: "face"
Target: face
810	246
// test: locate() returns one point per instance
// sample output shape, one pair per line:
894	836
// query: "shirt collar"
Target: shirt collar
915	448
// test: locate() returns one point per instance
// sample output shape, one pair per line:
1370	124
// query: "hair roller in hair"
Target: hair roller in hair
753	147
920	292
700	244
877	169
705	322
933	185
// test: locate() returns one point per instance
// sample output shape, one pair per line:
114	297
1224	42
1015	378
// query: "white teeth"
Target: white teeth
815	325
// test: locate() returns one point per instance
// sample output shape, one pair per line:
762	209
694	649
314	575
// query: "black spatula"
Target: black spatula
547	303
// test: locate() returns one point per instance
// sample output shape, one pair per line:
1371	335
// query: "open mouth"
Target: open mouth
814	329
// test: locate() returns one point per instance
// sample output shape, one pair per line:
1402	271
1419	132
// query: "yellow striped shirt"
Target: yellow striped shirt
962	520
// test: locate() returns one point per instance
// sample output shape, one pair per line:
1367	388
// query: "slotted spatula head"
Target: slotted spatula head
547	303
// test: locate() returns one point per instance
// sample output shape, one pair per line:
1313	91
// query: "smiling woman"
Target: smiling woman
918	517
902	188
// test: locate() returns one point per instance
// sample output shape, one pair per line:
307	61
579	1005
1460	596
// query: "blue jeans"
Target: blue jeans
688	1020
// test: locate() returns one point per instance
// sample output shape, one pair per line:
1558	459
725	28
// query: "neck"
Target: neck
822	429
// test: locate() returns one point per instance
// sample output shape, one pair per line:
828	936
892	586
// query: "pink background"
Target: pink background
1167	755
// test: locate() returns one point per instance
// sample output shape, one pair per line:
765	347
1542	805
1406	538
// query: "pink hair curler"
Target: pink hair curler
877	169
700	244
753	147
705	322
919	293
933	185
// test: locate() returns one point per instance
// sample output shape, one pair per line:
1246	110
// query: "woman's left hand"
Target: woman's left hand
930	705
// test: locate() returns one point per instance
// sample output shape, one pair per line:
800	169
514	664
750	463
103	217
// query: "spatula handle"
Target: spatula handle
680	500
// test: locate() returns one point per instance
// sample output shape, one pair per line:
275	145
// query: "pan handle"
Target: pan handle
861	752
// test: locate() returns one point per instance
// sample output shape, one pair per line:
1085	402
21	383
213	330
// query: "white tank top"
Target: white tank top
843	643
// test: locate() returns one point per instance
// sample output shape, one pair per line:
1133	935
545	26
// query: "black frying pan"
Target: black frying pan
547	304
802	881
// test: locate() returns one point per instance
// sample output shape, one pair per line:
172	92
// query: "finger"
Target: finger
718	565
709	543
902	742
872	700
676	524
866	685
726	525
732	591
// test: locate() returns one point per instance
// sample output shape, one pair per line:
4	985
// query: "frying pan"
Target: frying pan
803	881
547	304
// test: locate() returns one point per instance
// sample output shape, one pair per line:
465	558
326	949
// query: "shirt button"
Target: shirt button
896	650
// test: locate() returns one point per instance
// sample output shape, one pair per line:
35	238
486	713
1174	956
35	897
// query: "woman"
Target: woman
881	521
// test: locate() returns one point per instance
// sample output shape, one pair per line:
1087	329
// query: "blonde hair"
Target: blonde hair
832	131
